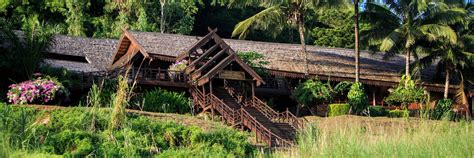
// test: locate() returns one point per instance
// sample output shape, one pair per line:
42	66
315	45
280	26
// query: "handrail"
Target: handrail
291	119
233	92
284	117
267	132
264	108
160	74
227	112
199	97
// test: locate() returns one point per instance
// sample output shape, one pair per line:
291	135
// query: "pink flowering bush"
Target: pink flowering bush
39	90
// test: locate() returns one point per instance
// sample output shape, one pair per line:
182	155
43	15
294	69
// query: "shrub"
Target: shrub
39	90
64	132
377	111
398	113
338	109
406	92
256	61
357	98
443	109
312	91
159	100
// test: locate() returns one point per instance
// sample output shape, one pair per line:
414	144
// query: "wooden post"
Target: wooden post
253	89
203	90
373	95
210	91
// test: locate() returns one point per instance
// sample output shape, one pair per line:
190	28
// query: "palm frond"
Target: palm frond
272	16
391	40
446	16
435	32
461	97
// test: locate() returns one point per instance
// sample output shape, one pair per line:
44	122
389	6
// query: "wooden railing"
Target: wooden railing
263	108
238	94
199	98
291	119
229	114
275	83
158	74
261	131
284	117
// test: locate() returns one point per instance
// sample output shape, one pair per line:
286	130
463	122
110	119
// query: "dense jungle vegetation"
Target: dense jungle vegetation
105	19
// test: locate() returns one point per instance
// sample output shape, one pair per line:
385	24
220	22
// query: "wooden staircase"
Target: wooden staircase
275	129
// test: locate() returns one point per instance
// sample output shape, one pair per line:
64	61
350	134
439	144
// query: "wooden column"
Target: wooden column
253	89
210	91
373	96
203	90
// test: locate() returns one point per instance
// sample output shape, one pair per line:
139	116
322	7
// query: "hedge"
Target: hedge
377	111
398	113
338	109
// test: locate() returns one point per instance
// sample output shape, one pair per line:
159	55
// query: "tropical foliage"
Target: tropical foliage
39	90
160	100
278	15
451	57
357	98
443	110
313	91
407	91
338	109
337	28
25	50
68	132
256	61
399	113
398	26
104	18
377	111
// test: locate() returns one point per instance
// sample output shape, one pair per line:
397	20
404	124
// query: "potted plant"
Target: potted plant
176	69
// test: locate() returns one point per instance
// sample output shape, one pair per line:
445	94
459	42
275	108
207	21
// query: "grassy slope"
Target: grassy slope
355	136
187	120
202	122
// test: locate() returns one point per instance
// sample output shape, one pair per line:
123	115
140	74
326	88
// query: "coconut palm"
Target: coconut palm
356	42
398	25
452	57
279	14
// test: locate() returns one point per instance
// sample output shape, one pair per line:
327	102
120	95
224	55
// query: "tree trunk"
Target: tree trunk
446	84
301	30
356	42
407	63
162	19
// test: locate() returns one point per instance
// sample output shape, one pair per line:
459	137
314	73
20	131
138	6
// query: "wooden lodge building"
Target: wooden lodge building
220	82
286	66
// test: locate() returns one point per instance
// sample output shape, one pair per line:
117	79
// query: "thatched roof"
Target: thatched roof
98	52
283	58
334	62
72	66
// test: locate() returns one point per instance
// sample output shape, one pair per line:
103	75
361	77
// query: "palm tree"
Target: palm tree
278	14
452	57
398	25
356	43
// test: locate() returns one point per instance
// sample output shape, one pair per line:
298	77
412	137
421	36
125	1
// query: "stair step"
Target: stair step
282	130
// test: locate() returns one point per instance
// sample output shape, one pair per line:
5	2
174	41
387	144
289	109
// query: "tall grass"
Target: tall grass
119	102
421	139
